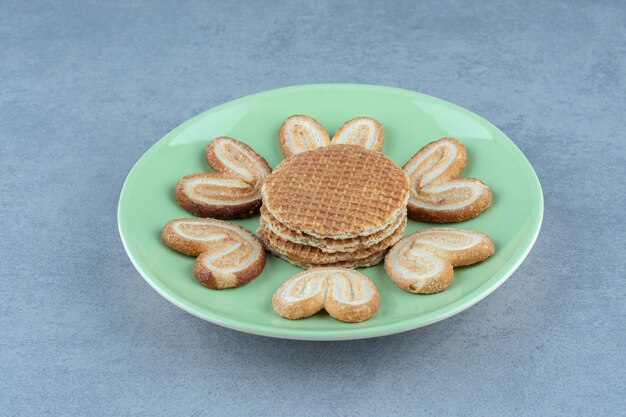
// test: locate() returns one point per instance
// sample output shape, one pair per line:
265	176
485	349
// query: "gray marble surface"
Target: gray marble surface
87	87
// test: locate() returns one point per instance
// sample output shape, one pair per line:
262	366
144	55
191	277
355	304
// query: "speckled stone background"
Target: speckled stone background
86	87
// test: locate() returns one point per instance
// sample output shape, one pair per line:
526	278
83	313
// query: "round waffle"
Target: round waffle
311	254
339	191
373	259
327	244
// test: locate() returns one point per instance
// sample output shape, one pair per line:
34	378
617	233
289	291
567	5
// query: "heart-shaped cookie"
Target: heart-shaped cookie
301	133
423	262
346	295
228	255
438	195
233	190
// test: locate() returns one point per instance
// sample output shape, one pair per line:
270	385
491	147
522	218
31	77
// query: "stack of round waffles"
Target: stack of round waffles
339	205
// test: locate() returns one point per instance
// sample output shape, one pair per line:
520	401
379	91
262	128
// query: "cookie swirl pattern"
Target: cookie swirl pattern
423	262
231	157
437	194
362	131
346	295
233	190
301	133
228	255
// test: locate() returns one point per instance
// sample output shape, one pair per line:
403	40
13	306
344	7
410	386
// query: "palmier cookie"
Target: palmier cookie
301	133
233	190
228	255
363	131
423	262
346	295
438	195
234	158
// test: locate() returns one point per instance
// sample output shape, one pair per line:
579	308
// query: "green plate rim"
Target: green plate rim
434	316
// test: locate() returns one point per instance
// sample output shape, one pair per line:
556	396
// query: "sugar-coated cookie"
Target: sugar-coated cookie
423	262
438	195
233	191
301	133
213	195
362	131
346	295
228	255
234	158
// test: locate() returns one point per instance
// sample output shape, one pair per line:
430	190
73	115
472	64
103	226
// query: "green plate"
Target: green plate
410	121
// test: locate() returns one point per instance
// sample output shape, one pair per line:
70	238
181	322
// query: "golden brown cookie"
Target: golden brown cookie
235	159
423	262
460	247
346	295
229	255
233	191
213	195
300	133
437	194
362	131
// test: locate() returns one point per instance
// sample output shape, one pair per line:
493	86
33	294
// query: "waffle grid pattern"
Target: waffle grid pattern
336	191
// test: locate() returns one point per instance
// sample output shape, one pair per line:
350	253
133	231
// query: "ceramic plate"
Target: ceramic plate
410	120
